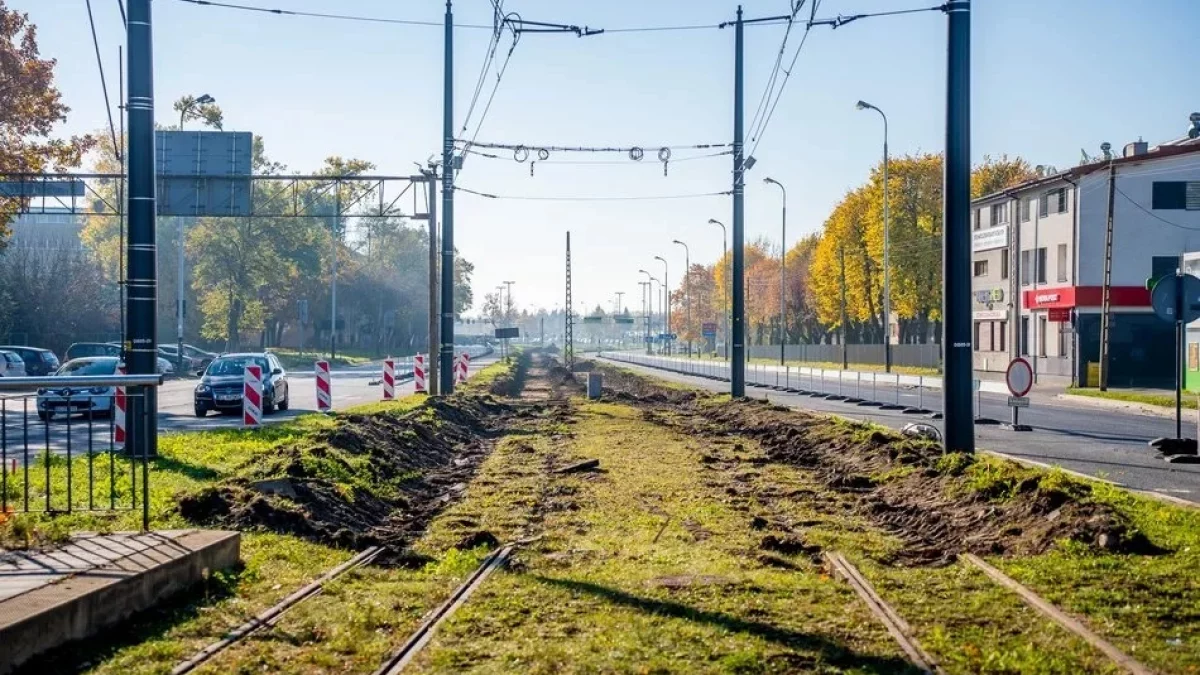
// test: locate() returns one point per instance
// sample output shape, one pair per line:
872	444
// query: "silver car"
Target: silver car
11	364
93	401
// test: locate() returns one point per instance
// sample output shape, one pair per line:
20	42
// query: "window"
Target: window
1043	204
976	221
999	213
1024	336
1003	336
1041	265
981	268
1176	195
1026	267
978	324
1026	207
1053	201
1062	262
1041	336
1003	263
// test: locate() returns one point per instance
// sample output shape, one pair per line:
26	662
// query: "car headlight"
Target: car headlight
42	391
203	389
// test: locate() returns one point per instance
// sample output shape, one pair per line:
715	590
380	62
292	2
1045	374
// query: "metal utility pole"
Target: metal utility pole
650	306
959	424
1106	300
782	272
447	308
887	236
666	302
141	345
619	296
335	236
737	364
724	287
431	380
569	340
645	313
687	290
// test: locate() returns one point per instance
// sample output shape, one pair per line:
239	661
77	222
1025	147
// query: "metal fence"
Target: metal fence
916	356
62	447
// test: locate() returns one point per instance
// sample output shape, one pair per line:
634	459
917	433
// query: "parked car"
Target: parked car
222	389
191	364
11	364
82	350
94	401
38	362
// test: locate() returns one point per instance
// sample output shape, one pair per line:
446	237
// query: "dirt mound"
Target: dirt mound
938	505
371	479
630	387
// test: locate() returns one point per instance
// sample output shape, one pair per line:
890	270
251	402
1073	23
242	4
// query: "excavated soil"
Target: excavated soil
415	464
931	509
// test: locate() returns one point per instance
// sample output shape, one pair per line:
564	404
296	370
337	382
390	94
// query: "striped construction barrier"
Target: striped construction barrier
119	404
324	388
252	392
461	365
389	380
419	374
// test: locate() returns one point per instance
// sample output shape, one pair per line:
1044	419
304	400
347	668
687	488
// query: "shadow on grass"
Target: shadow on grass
829	652
193	471
151	624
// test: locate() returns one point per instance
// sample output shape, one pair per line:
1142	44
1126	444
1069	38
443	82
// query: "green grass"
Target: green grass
294	359
1189	400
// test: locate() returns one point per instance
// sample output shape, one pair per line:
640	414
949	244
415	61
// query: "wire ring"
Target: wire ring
664	154
543	154
521	153
636	153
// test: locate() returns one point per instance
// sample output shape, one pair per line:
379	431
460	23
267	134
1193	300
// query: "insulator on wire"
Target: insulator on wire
543	154
521	153
636	153
531	169
664	154
664	168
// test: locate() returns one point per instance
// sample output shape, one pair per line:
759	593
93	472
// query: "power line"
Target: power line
762	101
787	74
596	198
488	58
103	83
322	15
121	6
516	33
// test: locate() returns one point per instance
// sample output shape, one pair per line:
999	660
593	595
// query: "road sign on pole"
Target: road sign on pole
1019	378
1176	297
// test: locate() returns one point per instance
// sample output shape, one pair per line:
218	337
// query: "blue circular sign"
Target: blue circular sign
1166	289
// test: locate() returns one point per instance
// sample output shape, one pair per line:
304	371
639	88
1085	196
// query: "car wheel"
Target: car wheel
43	415
283	405
201	411
268	406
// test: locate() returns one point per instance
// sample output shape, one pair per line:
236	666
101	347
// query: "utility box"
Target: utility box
594	384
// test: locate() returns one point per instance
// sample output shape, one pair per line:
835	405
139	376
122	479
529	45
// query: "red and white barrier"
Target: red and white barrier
252	396
461	365
324	388
119	412
419	373
389	380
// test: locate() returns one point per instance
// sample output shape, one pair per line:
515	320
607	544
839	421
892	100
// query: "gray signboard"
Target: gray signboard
203	173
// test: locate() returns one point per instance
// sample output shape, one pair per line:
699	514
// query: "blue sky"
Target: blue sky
1049	77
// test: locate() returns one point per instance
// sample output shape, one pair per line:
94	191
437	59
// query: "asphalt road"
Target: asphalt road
24	435
1104	443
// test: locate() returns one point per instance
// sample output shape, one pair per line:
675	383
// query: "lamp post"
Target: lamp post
687	290
887	268
725	287
203	99
650	288
666	302
782	271
645	313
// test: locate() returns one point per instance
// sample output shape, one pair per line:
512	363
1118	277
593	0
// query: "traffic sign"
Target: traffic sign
1163	297
709	329
1019	377
1018	401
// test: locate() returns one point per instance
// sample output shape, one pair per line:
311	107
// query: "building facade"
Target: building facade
1038	258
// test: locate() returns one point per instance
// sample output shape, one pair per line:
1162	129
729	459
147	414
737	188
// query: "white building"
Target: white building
1038	258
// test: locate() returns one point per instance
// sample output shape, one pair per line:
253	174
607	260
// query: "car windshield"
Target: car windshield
88	367
236	365
80	351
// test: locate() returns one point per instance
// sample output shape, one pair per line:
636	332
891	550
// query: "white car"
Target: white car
11	364
92	401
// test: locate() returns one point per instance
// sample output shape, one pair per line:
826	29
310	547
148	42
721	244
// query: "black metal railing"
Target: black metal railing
61	445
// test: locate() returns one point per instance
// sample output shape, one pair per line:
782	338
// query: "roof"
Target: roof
1159	152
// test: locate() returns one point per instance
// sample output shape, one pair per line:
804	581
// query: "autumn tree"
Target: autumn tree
994	175
30	107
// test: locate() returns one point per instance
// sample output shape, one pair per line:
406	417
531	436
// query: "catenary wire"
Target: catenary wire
103	83
323	15
590	198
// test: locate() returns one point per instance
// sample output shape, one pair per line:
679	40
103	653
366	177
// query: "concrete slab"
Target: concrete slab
53	596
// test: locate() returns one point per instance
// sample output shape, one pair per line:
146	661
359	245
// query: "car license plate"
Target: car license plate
229	397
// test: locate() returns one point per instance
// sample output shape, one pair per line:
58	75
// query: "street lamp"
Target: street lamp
782	271
651	278
725	287
887	269
666	283
687	290
645	285
202	99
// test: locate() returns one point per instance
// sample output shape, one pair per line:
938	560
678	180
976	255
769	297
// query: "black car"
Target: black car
221	388
83	350
38	362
